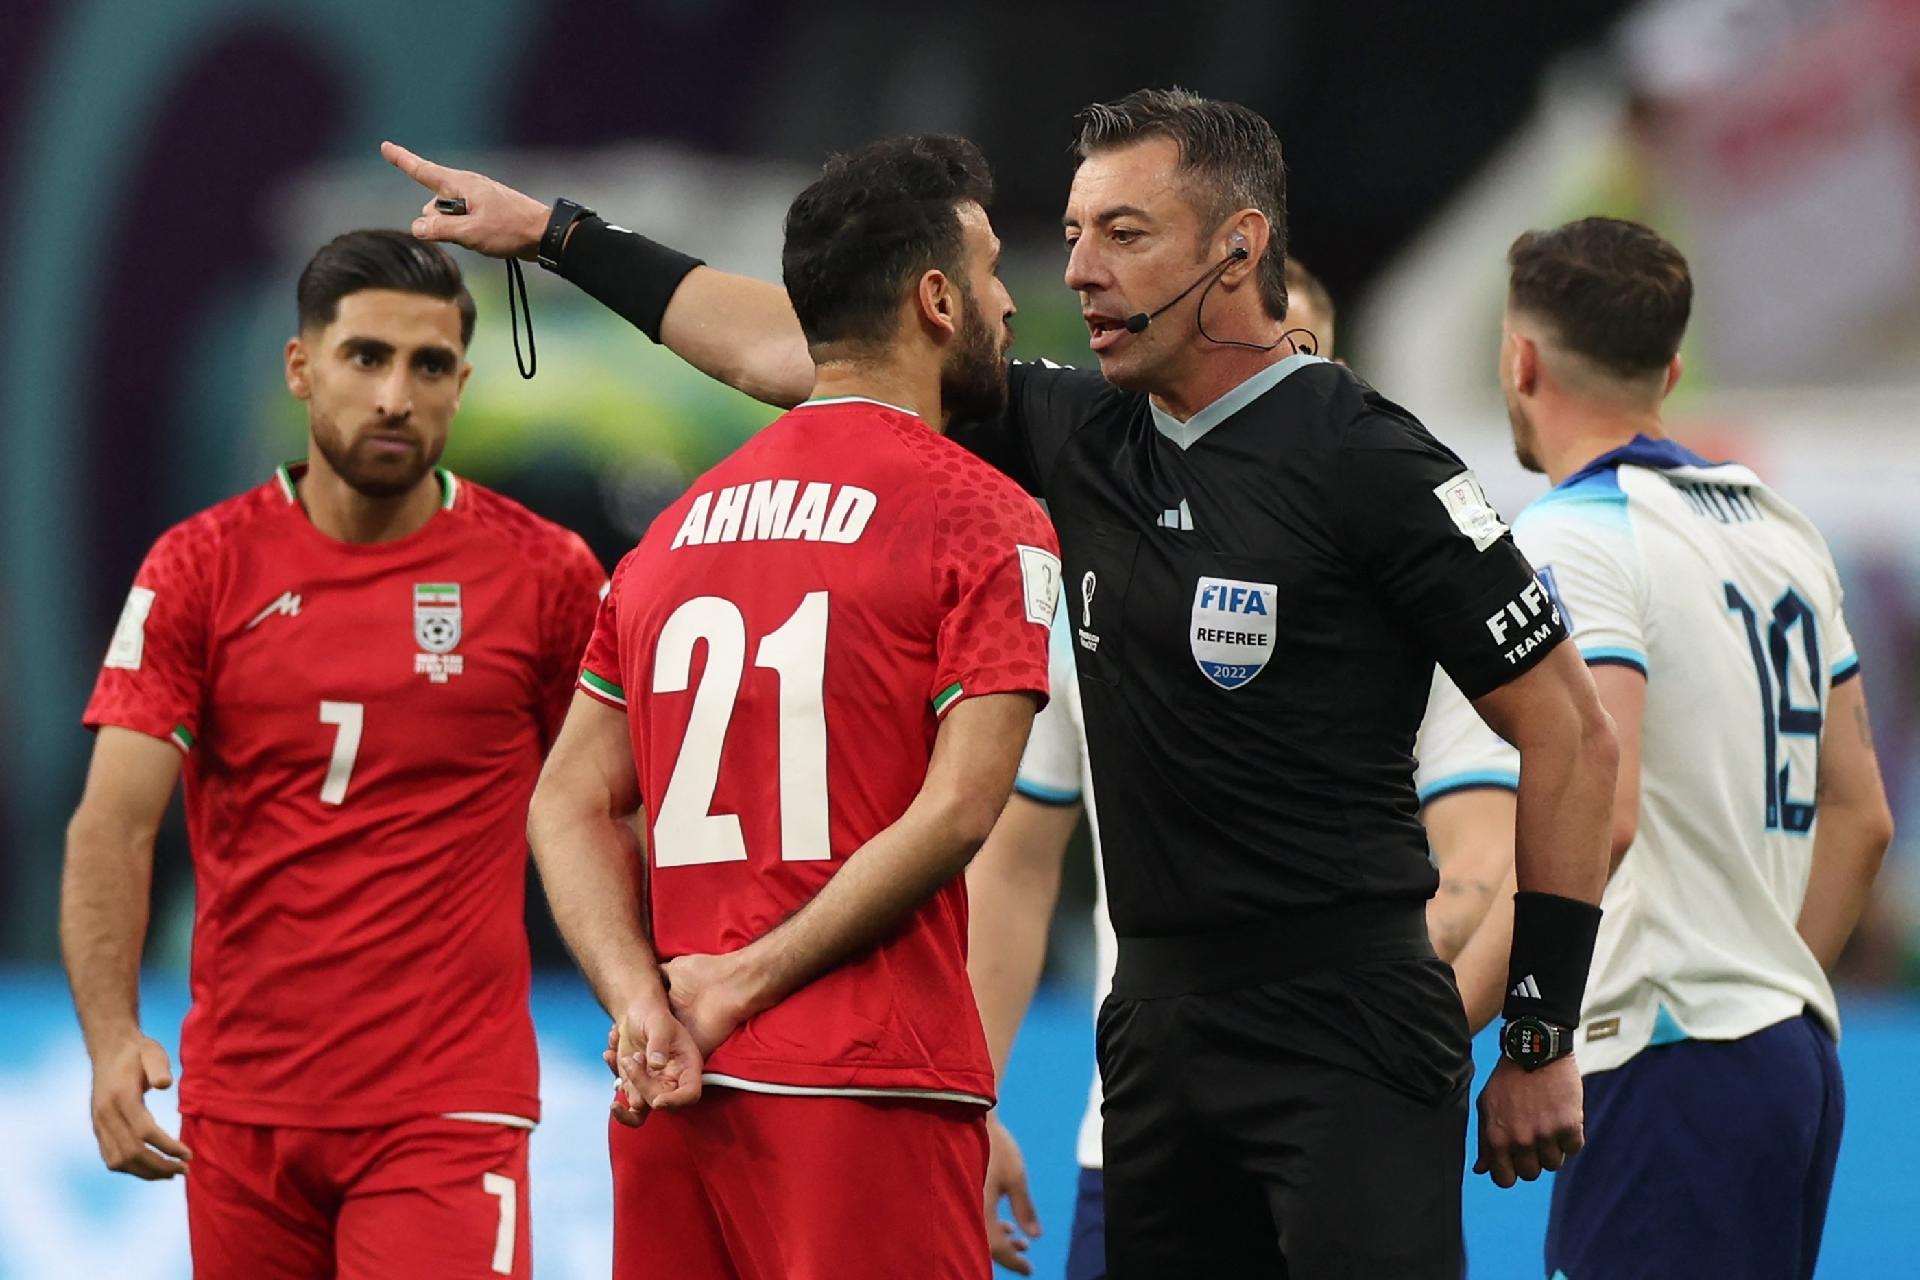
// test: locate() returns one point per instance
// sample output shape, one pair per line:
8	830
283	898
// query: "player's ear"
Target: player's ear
938	304
299	371
1675	367
1524	370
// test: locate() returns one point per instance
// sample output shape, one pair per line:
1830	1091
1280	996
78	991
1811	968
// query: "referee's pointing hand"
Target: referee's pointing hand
499	222
1529	1120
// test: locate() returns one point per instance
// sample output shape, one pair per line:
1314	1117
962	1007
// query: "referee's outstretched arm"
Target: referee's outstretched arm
1569	761
733	328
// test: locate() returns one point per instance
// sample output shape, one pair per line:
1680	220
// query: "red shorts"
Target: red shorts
430	1197
756	1186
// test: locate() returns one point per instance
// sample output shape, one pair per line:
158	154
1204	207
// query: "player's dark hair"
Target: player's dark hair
379	260
1229	154
1613	291
870	226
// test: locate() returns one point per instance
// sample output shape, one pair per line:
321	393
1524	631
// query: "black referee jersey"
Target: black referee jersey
1257	599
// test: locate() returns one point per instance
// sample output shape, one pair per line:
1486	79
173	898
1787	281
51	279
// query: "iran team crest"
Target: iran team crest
1231	633
436	629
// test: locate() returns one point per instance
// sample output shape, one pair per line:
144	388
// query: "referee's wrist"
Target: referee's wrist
1553	939
557	230
632	276
1531	1043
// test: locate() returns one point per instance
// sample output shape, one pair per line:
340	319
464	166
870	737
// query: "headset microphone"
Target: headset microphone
1139	320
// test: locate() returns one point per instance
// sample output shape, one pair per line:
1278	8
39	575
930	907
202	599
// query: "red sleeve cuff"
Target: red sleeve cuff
601	689
1031	680
153	726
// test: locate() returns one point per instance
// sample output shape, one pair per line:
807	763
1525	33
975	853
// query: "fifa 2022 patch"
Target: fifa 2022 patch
1231	630
129	643
1468	508
1039	582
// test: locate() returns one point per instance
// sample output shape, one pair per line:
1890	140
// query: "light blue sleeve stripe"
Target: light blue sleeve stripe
1044	794
1501	779
1847	666
1601	654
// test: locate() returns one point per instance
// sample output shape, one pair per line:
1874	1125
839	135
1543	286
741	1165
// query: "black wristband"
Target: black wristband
1552	949
632	276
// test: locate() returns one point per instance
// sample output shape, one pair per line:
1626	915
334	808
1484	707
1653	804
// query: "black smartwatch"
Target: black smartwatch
554	239
1531	1043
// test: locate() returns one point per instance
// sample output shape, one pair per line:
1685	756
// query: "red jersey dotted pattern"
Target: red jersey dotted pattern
363	728
786	637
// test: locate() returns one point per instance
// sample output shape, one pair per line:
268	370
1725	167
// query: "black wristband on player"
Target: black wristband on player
1552	949
629	274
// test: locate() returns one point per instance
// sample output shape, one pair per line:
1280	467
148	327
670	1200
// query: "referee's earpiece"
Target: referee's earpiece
1239	243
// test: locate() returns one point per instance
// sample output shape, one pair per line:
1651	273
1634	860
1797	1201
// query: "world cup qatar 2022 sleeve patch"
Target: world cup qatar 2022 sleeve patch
1040	582
1467	505
129	644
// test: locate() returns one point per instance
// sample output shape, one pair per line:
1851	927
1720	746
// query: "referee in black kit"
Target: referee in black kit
1263	561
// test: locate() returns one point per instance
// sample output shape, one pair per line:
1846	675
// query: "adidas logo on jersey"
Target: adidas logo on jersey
774	510
1180	517
288	603
1526	989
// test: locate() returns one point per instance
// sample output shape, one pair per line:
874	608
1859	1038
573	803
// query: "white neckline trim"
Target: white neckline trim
490	1117
449	483
851	1091
1185	434
809	404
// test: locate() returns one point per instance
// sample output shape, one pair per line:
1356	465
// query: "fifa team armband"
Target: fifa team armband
632	276
1552	949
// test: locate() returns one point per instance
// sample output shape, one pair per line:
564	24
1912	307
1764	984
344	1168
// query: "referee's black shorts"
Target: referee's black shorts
1271	1113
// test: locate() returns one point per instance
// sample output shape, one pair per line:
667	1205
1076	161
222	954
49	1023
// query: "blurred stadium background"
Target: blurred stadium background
166	169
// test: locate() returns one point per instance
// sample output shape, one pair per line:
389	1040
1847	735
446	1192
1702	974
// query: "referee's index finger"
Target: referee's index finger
419	168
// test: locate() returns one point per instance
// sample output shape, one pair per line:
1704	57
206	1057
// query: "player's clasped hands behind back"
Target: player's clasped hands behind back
657	1062
656	1054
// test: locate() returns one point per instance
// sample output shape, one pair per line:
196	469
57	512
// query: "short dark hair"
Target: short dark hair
379	260
872	223
1613	291
1229	153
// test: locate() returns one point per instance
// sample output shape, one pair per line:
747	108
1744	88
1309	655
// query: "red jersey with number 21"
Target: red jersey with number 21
362	725
785	639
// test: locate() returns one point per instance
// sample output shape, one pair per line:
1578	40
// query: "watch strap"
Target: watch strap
554	239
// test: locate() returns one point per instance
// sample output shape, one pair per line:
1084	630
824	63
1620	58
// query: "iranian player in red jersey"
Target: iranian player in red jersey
814	674
356	667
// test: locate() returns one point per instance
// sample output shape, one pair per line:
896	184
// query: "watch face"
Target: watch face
1526	1042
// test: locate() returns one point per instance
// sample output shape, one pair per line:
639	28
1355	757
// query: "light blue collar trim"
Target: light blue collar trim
1184	434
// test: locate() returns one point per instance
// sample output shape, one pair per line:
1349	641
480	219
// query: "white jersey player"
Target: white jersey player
1750	815
1651	548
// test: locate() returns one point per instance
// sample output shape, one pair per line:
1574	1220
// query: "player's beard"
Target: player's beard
973	379
366	474
1525	438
